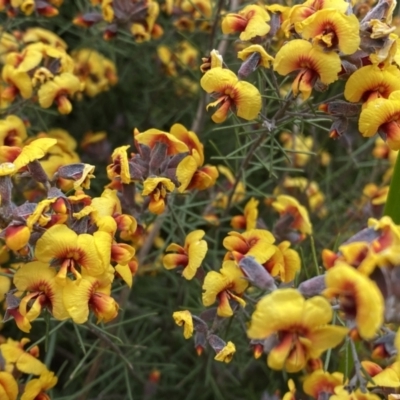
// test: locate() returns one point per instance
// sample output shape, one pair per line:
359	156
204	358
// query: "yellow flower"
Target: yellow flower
68	250
37	34
120	165
242	96
19	83
191	140
152	137
58	90
383	116
311	64
214	60
221	285
371	82
96	71
37	280
184	318
167	59
322	383
251	21
90	293
157	188
264	58
189	257
248	220
12	131
107	10
285	262
190	173
35	388
8	386
311	189
191	177
17	236
226	354
359	297
382	377
331	29
25	361
289	206
300	327
256	243
291	394
300	12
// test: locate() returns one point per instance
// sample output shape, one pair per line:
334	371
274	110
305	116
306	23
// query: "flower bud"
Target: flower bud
313	286
249	65
256	274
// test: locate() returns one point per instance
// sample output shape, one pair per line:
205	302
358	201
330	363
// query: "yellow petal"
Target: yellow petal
276	311
218	80
247	100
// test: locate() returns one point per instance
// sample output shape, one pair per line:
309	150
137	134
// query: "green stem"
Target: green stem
392	206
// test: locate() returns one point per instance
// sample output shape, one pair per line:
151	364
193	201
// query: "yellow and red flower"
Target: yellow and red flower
90	293
251	21
382	116
311	64
265	59
284	263
256	243
61	246
19	83
153	136
37	280
190	256
300	12
321	383
25	361
359	298
157	188
228	283
8	386
242	97
190	172
382	377
119	166
332	30
248	220
300	327
35	389
289	206
184	318
372	82
58	90
12	131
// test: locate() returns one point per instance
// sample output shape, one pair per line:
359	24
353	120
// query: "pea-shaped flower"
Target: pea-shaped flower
241	97
190	256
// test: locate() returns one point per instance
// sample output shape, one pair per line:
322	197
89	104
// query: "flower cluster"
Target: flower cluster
17	364
37	68
31	7
75	245
249	242
137	17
